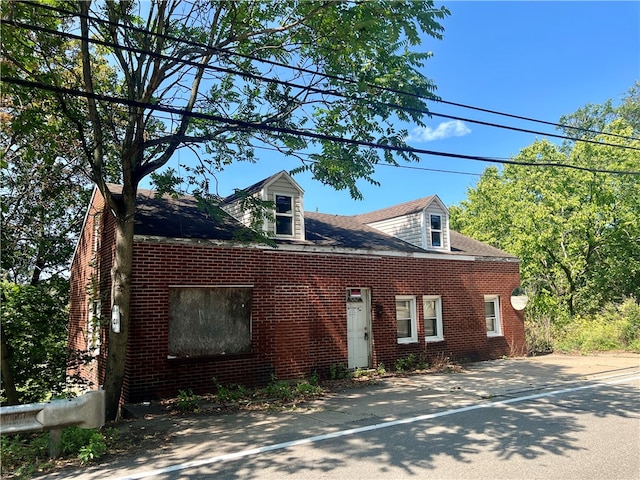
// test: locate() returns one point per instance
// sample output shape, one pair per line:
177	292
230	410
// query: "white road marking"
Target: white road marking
355	431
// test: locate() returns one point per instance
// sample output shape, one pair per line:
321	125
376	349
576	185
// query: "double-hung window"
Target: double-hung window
284	215
432	307
406	319
492	315
436	230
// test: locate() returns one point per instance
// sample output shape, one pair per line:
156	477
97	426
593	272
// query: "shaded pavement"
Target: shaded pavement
193	437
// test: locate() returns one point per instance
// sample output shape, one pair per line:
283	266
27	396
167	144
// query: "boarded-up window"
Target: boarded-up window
209	321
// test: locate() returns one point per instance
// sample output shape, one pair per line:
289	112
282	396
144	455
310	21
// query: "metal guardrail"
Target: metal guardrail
86	411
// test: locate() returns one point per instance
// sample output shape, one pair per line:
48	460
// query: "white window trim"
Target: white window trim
291	215
497	332
414	321
440	231
438	300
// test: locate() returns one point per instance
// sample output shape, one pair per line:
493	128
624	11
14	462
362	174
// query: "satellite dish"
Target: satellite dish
519	298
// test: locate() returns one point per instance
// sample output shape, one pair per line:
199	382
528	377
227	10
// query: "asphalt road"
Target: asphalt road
582	434
549	418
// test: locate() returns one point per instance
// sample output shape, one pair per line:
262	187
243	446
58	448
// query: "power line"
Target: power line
408	167
288	131
312	89
346	80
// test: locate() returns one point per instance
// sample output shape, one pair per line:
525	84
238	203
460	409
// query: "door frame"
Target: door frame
363	299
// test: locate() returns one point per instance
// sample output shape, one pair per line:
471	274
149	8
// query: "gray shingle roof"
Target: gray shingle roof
183	218
396	210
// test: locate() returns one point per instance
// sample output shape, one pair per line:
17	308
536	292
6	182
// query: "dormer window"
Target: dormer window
284	215
436	230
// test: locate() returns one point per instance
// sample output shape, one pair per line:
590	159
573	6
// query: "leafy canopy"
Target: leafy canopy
576	232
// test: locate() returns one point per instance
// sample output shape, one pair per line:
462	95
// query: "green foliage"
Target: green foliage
279	389
230	393
23	454
34	328
187	401
575	231
87	444
614	328
381	370
287	391
339	371
411	362
94	450
307	389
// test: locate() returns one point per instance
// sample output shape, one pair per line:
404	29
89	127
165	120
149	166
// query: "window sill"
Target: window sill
402	341
208	358
493	335
434	339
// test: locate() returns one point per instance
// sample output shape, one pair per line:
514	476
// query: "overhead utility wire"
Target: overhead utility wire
318	136
330	76
409	167
309	88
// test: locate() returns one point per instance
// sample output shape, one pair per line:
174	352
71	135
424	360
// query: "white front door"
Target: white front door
359	330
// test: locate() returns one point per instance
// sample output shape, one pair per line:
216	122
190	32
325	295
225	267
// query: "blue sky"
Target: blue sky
535	59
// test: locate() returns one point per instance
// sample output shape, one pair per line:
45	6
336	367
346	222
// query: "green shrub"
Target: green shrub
22	454
94	449
411	362
616	327
231	393
307	389
279	389
187	401
34	327
339	371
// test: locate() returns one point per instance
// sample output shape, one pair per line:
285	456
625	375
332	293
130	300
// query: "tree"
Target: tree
45	191
34	322
215	77
575	230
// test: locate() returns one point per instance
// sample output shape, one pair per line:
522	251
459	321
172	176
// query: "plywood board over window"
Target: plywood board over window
205	321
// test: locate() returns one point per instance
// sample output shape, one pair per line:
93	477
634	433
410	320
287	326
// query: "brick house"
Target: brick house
354	290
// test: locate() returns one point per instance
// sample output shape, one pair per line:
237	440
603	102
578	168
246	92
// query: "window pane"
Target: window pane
436	222
284	225
491	324
435	239
430	309
430	327
403	309
489	309
283	204
404	328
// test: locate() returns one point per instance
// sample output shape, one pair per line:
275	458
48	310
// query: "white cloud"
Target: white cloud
453	128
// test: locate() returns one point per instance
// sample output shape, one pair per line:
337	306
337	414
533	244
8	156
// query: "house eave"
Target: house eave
325	249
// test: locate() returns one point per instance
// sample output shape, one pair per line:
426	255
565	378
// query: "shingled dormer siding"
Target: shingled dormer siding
282	188
423	223
287	197
407	227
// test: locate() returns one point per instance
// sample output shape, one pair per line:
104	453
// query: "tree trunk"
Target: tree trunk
120	297
8	382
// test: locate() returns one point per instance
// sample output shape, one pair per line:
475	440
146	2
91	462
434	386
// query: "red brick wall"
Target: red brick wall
298	309
91	280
